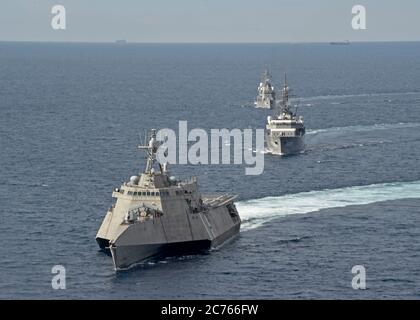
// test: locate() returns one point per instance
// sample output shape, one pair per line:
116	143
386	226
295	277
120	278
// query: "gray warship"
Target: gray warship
157	215
285	131
266	95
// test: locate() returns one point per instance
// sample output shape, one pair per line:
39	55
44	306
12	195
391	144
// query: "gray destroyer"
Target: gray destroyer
285	131
157	215
266	95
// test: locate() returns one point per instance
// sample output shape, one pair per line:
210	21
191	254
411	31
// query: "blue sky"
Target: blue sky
209	20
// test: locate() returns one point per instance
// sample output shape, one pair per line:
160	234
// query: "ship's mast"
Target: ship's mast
151	148
284	110
285	96
265	76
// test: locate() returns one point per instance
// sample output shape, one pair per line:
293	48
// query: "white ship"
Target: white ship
285	131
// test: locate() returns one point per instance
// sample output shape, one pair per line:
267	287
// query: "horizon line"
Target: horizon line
127	42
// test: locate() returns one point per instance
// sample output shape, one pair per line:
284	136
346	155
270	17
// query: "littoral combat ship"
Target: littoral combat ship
157	215
285	131
266	96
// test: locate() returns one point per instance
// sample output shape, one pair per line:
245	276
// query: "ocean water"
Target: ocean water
71	116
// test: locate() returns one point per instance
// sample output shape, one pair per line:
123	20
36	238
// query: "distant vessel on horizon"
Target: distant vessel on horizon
346	42
122	41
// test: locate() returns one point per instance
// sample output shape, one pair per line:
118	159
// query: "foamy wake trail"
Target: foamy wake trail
255	213
344	96
379	126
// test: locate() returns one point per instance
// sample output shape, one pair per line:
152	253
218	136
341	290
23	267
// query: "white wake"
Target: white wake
366	128
255	213
361	95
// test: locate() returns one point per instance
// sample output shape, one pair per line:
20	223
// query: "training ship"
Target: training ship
285	131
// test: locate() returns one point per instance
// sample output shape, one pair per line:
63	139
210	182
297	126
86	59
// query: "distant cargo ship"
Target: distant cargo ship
340	43
121	41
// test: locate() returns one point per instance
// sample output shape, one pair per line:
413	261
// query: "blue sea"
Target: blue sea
71	116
